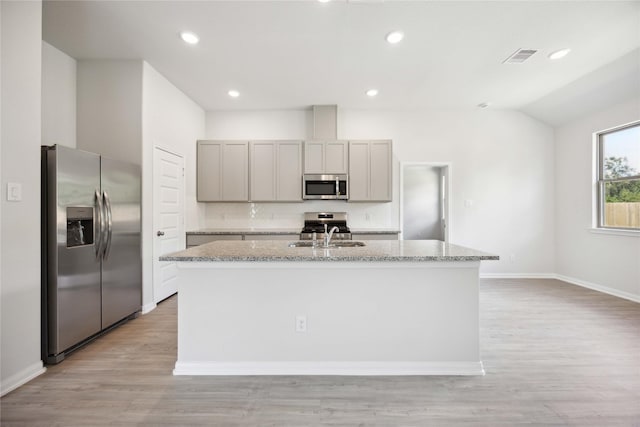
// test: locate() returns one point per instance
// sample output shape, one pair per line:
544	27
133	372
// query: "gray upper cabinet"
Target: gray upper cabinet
326	157
289	171
370	171
276	171
263	170
223	171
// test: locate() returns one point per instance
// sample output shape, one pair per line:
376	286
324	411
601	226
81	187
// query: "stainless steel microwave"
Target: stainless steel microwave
325	187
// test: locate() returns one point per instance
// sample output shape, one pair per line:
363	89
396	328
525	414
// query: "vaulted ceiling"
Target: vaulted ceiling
292	54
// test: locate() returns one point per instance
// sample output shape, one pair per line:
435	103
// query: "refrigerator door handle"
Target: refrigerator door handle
98	228
109	229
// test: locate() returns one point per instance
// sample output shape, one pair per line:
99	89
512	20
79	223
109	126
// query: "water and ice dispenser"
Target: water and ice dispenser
79	226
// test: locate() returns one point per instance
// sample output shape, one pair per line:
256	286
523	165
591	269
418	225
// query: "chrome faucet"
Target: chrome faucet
328	236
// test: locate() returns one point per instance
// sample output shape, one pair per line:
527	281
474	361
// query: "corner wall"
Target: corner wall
21	62
110	108
171	121
610	263
59	72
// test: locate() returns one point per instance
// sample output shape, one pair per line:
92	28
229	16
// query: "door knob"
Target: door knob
160	233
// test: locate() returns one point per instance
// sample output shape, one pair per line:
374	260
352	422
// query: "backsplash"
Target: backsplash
285	215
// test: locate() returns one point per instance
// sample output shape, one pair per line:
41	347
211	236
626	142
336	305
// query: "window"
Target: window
619	177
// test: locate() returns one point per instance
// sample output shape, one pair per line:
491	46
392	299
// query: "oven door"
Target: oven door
324	187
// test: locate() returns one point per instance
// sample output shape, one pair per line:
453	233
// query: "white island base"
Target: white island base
362	318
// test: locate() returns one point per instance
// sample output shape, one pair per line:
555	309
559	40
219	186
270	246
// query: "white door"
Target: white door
168	219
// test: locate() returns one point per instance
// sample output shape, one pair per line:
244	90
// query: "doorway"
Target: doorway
424	201
168	219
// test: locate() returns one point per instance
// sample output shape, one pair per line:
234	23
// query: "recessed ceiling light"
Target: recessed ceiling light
484	104
372	92
234	93
559	53
190	38
395	37
324	1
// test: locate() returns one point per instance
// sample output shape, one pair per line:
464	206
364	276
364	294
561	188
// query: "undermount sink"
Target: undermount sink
336	244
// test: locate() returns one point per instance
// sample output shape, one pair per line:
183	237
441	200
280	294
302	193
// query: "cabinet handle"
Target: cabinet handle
160	233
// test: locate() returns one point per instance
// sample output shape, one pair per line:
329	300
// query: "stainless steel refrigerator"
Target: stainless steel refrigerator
91	260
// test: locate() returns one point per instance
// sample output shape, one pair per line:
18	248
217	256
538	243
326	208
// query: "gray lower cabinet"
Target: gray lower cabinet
275	171
201	239
223	171
374	236
291	237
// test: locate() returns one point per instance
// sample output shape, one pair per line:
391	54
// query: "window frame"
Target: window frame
601	181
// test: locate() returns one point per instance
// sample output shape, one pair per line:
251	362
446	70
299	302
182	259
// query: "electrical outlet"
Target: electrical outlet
367	216
301	323
512	257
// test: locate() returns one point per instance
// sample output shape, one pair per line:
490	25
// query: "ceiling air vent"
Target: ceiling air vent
519	56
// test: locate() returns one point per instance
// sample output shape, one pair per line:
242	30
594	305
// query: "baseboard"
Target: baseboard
328	368
599	288
22	377
517	275
148	307
571	280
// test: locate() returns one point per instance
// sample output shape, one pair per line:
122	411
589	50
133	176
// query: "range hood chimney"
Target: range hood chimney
325	122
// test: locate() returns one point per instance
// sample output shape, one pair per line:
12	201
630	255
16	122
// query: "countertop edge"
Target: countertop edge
278	231
293	232
330	259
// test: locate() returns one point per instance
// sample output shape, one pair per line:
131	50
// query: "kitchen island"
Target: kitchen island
388	308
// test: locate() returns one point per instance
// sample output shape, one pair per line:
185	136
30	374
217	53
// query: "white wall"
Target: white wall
500	160
110	108
601	261
275	124
172	121
21	59
58	97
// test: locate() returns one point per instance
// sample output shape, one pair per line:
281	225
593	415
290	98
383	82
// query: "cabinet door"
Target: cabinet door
289	171
289	237
358	171
380	167
336	157
235	162
313	157
263	171
209	163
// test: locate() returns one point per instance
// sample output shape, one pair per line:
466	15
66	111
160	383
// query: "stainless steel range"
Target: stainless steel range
319	222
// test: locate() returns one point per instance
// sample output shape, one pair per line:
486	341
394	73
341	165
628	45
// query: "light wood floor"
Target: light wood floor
555	354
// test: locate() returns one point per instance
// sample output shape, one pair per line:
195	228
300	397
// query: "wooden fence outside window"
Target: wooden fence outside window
625	215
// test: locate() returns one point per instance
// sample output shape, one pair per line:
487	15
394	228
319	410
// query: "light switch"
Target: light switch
468	203
14	191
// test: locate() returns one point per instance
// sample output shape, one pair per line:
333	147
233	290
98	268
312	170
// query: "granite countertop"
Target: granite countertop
250	230
375	250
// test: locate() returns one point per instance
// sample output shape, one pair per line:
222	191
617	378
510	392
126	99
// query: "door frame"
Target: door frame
154	220
447	171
